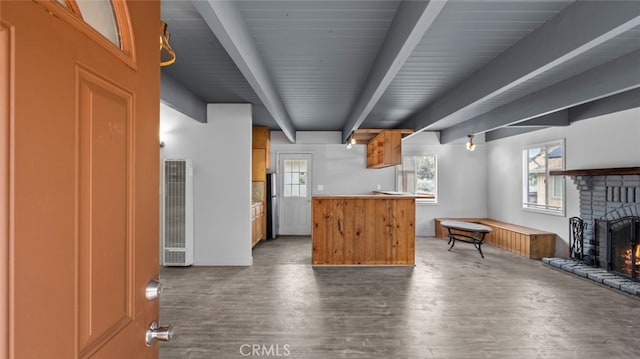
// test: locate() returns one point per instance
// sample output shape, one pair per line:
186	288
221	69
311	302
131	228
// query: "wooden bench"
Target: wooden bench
524	241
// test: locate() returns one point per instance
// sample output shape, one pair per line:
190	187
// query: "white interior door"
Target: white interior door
295	194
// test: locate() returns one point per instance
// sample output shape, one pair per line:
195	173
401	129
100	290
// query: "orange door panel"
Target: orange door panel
83	188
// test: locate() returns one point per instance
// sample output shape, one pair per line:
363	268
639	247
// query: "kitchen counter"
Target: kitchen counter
363	196
363	229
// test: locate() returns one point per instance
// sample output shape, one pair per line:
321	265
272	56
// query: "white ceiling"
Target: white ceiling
459	67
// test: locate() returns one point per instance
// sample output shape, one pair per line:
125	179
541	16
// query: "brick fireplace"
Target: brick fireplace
610	207
606	197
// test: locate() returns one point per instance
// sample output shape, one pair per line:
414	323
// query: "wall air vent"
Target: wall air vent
177	213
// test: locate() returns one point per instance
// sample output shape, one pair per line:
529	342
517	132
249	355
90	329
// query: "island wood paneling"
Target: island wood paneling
363	230
524	241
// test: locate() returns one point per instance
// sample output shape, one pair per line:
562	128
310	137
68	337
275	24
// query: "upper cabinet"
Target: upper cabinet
261	140
385	149
260	154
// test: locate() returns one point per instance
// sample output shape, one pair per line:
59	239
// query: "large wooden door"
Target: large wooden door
83	181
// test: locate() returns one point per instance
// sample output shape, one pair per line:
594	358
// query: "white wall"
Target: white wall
483	183
221	154
605	141
461	174
338	169
462	180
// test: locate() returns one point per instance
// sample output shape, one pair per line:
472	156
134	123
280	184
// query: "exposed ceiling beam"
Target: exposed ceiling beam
411	21
508	132
566	36
179	98
559	118
620	102
226	22
608	79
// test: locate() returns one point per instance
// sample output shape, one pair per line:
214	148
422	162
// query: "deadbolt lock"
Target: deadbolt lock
153	290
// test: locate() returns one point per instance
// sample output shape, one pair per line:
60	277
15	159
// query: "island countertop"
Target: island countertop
364	196
363	229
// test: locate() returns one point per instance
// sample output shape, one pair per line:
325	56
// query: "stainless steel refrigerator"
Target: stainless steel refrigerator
272	206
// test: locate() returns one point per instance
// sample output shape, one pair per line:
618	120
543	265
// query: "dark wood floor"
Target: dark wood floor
450	305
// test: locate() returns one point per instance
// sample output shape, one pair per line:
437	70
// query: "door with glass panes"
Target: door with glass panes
295	194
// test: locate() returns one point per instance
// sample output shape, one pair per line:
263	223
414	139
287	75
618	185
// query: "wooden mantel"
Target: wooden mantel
620	171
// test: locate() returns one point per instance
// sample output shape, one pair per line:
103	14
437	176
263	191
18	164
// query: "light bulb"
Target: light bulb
470	145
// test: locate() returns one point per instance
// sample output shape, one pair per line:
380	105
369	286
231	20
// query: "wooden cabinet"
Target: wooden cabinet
260	146
385	149
257	220
261	140
258	165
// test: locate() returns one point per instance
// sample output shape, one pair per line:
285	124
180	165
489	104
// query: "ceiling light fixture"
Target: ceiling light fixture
470	145
352	141
167	57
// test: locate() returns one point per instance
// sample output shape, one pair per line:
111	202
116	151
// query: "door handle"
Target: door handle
153	290
163	333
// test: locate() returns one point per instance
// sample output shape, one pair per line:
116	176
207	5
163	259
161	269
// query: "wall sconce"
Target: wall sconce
167	57
470	145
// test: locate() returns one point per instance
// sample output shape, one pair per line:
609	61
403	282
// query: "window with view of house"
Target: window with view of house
418	175
540	190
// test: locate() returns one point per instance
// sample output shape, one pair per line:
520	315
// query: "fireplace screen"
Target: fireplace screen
624	247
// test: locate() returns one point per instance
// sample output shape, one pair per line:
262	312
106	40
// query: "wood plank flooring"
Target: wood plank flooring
450	305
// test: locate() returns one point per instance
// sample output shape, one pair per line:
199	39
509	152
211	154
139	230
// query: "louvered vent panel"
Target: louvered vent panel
174	225
177	226
174	257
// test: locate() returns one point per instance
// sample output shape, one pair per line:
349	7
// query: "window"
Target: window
295	178
557	186
100	14
541	191
418	175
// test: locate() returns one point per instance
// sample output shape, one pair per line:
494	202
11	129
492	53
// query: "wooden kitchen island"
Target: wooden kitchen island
363	229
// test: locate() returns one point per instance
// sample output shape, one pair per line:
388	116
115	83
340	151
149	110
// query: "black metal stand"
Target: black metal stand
477	238
576	238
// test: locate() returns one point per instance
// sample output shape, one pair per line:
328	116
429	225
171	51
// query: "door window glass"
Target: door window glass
101	16
295	178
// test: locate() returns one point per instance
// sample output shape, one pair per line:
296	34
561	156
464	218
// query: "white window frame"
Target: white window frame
549	182
421	200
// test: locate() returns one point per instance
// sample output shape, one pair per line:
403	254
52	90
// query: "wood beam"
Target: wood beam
225	21
618	171
505	132
554	119
605	80
411	21
176	96
363	136
571	33
620	102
